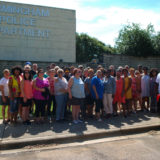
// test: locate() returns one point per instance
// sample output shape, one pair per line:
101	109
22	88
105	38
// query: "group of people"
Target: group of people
81	91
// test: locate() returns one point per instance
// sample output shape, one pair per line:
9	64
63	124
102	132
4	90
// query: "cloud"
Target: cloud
105	23
102	23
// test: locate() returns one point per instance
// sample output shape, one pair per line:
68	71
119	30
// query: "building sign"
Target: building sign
18	24
30	27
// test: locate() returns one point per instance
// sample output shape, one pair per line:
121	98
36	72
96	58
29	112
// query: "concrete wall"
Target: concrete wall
121	60
36	33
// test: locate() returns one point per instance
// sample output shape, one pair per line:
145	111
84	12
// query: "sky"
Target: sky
103	19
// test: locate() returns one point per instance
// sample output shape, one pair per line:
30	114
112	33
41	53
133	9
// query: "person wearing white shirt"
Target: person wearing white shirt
4	95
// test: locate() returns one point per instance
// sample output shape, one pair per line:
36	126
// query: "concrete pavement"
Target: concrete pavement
54	132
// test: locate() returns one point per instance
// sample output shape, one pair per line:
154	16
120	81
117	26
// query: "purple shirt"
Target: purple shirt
40	84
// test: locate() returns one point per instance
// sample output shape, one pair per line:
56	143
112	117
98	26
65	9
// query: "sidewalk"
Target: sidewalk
12	137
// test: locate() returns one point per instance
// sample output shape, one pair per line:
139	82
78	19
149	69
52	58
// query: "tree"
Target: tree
156	42
88	48
134	41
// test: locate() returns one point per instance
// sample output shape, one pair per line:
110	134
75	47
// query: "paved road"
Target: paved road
146	147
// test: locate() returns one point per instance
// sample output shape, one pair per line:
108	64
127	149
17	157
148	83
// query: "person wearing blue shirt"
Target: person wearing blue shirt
97	92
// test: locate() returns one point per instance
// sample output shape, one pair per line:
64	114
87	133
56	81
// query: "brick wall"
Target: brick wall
121	60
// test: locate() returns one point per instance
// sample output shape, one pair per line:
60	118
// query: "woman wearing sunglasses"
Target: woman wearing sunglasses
76	94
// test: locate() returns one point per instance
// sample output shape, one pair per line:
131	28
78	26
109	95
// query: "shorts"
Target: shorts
28	103
7	101
14	105
89	100
76	101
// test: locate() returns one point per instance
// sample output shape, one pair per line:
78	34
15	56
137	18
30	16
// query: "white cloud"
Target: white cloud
102	23
106	23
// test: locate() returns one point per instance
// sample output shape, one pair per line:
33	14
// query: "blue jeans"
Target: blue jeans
61	101
14	105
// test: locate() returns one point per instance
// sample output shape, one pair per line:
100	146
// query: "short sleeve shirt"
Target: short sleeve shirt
98	83
4	82
158	81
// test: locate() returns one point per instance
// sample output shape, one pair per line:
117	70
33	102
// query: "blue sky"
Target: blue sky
104	18
141	4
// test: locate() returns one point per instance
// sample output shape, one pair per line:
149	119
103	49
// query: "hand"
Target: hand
4	99
24	99
97	97
70	96
42	90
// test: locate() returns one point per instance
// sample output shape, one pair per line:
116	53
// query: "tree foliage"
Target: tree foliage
88	48
133	40
156	43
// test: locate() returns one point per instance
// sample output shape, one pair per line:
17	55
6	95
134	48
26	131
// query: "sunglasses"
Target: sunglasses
26	72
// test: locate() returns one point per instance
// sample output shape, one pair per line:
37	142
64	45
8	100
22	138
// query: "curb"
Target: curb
60	139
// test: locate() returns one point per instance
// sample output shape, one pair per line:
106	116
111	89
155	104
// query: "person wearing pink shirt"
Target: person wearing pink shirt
27	96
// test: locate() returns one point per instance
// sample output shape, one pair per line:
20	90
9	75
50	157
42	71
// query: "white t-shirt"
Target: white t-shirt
4	82
158	81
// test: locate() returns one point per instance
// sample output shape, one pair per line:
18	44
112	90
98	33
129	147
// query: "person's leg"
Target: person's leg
124	109
115	108
105	103
135	105
77	112
83	109
8	113
147	99
110	106
37	111
74	112
59	102
143	103
20	111
23	114
63	107
54	105
49	102
3	112
43	104
98	107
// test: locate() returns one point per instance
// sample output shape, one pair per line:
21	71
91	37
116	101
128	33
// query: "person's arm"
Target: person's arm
93	83
70	83
113	86
36	88
123	90
2	91
10	88
22	90
95	91
86	86
129	85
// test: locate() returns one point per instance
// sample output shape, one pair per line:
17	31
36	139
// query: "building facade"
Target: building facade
37	33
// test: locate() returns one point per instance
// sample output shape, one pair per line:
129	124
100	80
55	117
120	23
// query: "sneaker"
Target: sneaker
28	122
79	121
4	122
24	122
99	120
19	118
30	115
75	122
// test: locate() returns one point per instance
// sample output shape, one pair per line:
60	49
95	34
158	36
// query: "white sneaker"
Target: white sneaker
79	121
75	122
99	120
